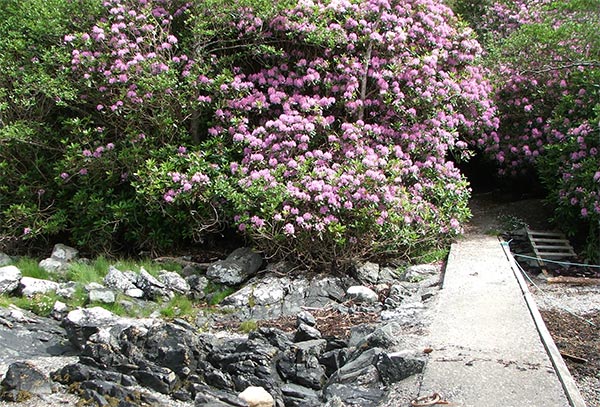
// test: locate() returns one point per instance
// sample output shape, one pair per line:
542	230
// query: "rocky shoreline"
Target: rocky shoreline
290	358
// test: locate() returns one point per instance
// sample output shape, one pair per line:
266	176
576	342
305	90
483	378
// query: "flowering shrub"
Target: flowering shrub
320	130
345	131
544	55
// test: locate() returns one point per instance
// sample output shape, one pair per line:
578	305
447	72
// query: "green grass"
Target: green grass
178	307
151	267
41	305
84	273
248	326
89	273
217	292
30	268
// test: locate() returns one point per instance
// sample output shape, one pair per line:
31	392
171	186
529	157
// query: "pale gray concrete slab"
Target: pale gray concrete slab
486	347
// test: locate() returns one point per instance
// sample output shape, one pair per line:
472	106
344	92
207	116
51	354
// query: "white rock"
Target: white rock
115	278
67	290
59	310
94	286
64	253
420	272
31	286
134	293
60	306
361	293
53	265
9	279
174	282
257	397
103	295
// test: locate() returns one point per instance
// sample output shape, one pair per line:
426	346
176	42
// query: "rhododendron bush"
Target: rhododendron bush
322	131
546	61
345	134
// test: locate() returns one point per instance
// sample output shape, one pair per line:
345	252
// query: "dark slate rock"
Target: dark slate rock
310	374
23	380
238	267
397	366
205	396
336	343
274	336
219	379
24	335
300	396
115	392
309	349
321	291
306	333
361	366
353	395
359	333
77	372
92	397
306	318
333	360
171	345
158	378
80	324
383	336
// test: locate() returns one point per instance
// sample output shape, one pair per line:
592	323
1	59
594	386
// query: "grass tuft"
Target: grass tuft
30	268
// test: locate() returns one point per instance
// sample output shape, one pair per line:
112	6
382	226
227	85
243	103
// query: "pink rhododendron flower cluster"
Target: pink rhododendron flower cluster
346	138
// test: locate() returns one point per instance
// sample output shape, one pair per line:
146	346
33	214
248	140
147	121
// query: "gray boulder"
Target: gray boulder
64	253
67	290
59	310
152	287
9	279
32	286
134	293
53	266
174	282
305	317
60	258
397	366
238	267
367	273
103	295
80	324
5	259
23	380
362	294
118	280
299	396
420	272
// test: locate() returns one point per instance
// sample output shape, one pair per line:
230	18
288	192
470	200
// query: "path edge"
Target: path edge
562	371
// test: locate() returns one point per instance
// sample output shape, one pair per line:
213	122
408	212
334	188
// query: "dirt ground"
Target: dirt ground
571	312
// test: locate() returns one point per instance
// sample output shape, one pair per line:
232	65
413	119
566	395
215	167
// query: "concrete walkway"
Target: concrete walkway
487	350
